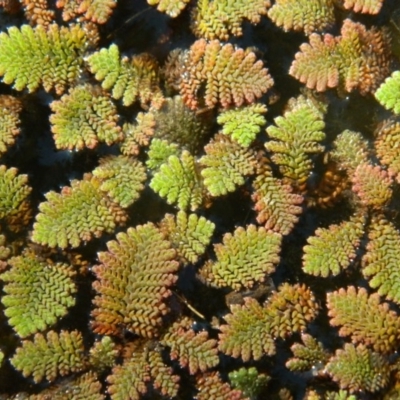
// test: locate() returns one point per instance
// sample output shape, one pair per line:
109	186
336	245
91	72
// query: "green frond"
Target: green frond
129	380
364	6
249	381
143	368
178	181
194	350
244	258
380	263
350	149
303	15
177	123
372	184
132	282
307	355
251	329
159	152
276	206
37	294
365	318
296	136
243	123
79	213
246	333
9	121
359	369
50	356
210	384
189	234
387	149
122	178
225	165
358	59
50	57
14	192
83	118
388	93
333	249
171	7
103	354
138	134
231	76
216	19
128	79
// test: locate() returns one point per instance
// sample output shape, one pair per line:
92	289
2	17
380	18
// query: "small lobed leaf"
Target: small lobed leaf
79	213
333	249
51	57
307	355
216	19
243	123
194	350
365	318
387	149
225	165
122	178
359	369
276	206
143	369
83	118
294	137
245	257
37	294
303	15
14	192
138	135
129	80
388	93
210	383
50	356
230	75
350	150
358	59
246	333
132	282
382	257
9	121
372	185
189	234
178	182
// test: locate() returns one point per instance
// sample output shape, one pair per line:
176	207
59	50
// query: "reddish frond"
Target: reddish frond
133	282
230	76
358	59
276	206
194	350
372	184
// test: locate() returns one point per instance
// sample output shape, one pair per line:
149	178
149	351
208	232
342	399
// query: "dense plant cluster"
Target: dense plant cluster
209	211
